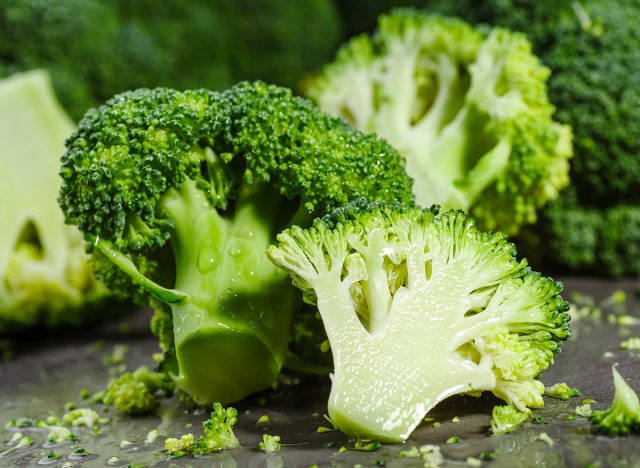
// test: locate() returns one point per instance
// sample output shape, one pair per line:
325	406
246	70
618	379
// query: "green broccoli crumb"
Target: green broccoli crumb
269	443
562	391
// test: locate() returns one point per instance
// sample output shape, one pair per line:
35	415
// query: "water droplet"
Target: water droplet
207	259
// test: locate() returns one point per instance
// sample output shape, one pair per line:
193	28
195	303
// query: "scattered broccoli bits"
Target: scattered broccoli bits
419	306
217	435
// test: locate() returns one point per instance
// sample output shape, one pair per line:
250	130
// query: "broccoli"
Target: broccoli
45	277
135	392
592	50
187	190
419	306
468	110
562	391
507	418
97	48
574	237
623	416
218	435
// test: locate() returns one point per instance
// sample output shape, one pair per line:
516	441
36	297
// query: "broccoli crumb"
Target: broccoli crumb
452	440
631	344
506	419
269	443
562	391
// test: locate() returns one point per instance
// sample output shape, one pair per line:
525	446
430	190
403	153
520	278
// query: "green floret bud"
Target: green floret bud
218	435
623	416
467	108
562	391
179	193
82	417
135	392
419	306
507	418
269	443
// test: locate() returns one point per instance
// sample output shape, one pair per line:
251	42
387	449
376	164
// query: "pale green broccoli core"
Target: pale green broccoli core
418	308
44	273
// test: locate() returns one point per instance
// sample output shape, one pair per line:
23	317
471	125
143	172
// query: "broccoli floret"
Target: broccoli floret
623	416
468	110
507	418
135	392
419	306
218	435
187	190
562	391
97	48
45	277
270	443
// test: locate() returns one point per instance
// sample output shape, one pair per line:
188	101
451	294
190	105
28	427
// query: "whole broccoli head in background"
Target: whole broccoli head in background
97	48
45	278
180	193
468	110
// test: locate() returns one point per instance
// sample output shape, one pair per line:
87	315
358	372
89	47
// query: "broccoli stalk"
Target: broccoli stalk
183	192
45	278
468	110
419	306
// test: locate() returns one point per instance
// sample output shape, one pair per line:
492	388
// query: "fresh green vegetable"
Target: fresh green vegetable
419	306
562	391
507	418
592	50
97	48
135	392
270	443
45	278
468	109
180	193
623	416
218	435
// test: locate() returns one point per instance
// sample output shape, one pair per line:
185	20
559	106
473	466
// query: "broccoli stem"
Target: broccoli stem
230	320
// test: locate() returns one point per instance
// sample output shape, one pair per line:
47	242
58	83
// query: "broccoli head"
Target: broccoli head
419	306
45	277
468	110
184	191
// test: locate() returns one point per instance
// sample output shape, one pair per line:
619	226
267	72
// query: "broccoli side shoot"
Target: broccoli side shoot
468	110
181	192
217	435
45	278
623	416
419	306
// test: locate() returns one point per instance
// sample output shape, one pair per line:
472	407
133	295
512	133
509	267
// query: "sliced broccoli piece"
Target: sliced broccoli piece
419	306
218	435
623	416
45	277
468	110
180	193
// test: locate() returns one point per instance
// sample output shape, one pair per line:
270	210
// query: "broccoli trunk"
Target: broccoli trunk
230	321
380	388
